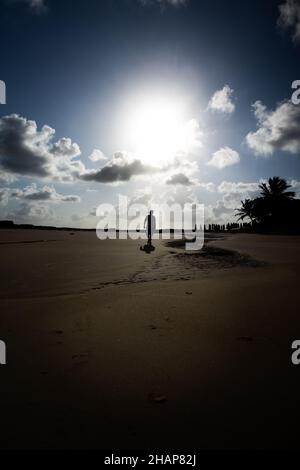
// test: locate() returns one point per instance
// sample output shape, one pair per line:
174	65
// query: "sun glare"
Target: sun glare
157	131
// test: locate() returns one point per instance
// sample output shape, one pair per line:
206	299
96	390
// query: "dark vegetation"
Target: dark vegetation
275	209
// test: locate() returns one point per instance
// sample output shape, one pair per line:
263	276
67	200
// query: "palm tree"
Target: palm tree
276	208
246	210
276	202
275	189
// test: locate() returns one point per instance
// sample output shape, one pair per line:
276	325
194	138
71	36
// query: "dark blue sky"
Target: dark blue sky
75	66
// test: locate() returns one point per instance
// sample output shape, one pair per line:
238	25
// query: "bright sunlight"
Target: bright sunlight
157	130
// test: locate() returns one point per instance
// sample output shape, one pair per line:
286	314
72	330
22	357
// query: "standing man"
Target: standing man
150	226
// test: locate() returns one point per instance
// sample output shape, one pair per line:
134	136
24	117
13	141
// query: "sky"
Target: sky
162	101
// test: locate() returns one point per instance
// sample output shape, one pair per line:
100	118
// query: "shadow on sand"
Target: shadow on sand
148	248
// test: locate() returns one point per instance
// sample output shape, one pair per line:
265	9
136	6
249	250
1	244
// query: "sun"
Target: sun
156	130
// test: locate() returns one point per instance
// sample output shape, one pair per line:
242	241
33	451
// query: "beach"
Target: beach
109	347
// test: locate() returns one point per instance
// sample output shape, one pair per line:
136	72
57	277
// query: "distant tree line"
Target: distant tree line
227	227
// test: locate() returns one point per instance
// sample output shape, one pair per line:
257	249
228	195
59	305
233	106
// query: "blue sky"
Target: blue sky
117	79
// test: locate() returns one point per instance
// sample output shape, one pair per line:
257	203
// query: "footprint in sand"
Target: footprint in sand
247	339
80	359
80	356
157	398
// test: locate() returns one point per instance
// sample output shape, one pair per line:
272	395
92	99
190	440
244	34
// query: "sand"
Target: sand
108	347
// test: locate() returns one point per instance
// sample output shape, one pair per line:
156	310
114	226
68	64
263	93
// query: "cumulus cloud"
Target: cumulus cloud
221	101
221	213
4	193
295	187
231	201
237	188
181	179
46	193
224	157
97	156
232	195
34	204
179	195
37	211
25	150
120	168
32	213
32	193
7	178
207	186
278	129
290	17
142	196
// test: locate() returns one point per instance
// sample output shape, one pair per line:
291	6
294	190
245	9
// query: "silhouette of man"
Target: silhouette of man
150	226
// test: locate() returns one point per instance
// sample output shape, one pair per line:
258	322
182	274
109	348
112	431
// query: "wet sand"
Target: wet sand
108	347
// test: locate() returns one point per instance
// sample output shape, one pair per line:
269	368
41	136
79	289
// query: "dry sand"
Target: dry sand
108	347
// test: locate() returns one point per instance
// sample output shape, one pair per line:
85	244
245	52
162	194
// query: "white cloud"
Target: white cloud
34	204
207	186
295	187
7	177
178	195
46	193
142	196
290	17
193	137
27	151
32	213
240	187
33	194
181	179
97	156
220	213
222	101
277	130
224	157
38	211
4	194
232	193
